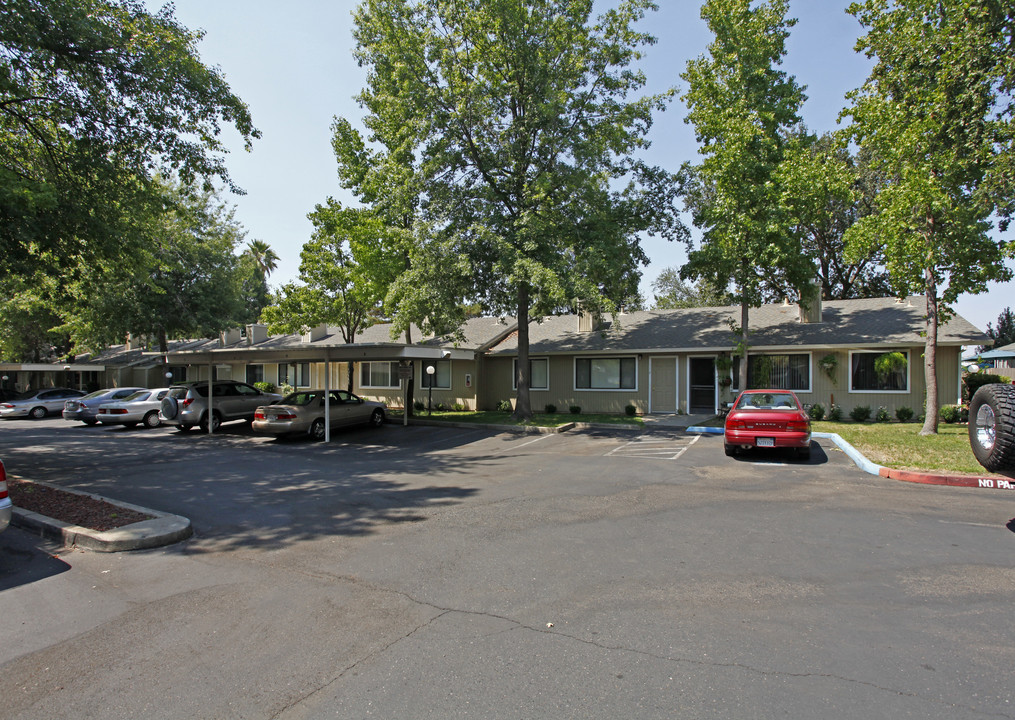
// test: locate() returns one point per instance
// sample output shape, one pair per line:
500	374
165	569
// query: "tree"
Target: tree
825	189
741	107
935	122
333	285
519	120
263	257
95	97
185	284
1004	333
674	292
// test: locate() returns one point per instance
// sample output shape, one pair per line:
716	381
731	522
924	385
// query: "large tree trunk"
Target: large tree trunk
523	406
930	422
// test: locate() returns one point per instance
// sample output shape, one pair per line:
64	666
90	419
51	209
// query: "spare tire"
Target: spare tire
992	426
169	407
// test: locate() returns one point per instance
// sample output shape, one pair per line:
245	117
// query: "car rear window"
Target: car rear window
139	395
767	401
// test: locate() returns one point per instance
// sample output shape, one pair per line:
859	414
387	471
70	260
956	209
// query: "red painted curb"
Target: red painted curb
989	482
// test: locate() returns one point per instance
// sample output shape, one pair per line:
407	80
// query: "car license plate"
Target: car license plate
765	442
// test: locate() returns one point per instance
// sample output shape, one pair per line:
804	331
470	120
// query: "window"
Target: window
864	377
294	374
785	372
441	378
255	373
539	374
179	373
606	373
378	375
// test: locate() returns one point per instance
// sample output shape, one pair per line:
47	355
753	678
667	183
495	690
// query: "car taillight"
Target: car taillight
118	411
736	425
797	426
285	416
3	482
259	414
186	401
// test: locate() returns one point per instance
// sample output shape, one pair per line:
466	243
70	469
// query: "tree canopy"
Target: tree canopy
742	106
96	97
520	122
935	116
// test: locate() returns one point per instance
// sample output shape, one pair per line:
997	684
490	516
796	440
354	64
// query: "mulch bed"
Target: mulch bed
70	507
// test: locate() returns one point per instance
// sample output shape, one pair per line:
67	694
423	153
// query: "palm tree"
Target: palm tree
263	256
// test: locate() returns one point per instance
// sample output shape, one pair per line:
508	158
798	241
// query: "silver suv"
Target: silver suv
186	405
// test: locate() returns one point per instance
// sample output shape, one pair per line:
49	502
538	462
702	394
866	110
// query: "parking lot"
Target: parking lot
435	572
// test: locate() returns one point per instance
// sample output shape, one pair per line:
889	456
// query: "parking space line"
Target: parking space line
517	447
653	449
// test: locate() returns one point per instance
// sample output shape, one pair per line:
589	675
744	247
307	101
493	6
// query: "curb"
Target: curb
987	482
162	529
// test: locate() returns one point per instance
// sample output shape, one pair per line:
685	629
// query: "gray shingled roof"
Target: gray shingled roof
845	323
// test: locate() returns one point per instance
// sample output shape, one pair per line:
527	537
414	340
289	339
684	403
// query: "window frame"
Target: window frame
908	377
424	378
247	373
735	374
600	358
298	368
514	373
367	367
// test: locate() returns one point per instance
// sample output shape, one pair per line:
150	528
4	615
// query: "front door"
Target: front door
663	379
702	378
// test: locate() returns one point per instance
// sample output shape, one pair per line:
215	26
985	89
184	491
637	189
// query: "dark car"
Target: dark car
86	409
39	403
768	419
187	404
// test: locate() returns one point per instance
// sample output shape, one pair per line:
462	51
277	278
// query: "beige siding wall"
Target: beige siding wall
561	390
824	390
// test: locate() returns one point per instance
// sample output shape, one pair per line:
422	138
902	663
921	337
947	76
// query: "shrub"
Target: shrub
904	414
817	411
419	406
575	409
882	415
550	409
286	389
458	407
861	413
265	387
631	410
971	382
441	407
954	413
504	406
835	413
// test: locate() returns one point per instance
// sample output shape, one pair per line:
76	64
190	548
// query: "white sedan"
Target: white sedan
141	407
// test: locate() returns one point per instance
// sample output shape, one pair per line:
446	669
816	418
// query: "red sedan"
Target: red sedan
768	419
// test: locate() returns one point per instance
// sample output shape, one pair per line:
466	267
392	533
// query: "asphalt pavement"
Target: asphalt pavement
454	573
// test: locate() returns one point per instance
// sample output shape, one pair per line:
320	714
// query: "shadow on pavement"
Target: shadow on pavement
25	558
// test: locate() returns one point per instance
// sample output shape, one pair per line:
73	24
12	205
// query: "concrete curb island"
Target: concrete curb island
162	529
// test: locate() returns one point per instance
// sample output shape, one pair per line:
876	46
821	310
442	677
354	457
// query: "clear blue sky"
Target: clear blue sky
292	63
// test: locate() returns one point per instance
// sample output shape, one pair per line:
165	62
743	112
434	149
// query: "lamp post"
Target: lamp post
430	370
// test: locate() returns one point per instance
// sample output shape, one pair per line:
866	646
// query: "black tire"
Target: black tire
216	422
317	430
169	407
89	421
377	418
37	413
151	419
731	450
992	426
804	453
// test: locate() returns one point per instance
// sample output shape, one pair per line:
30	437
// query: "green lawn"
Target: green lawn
491	417
900	445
